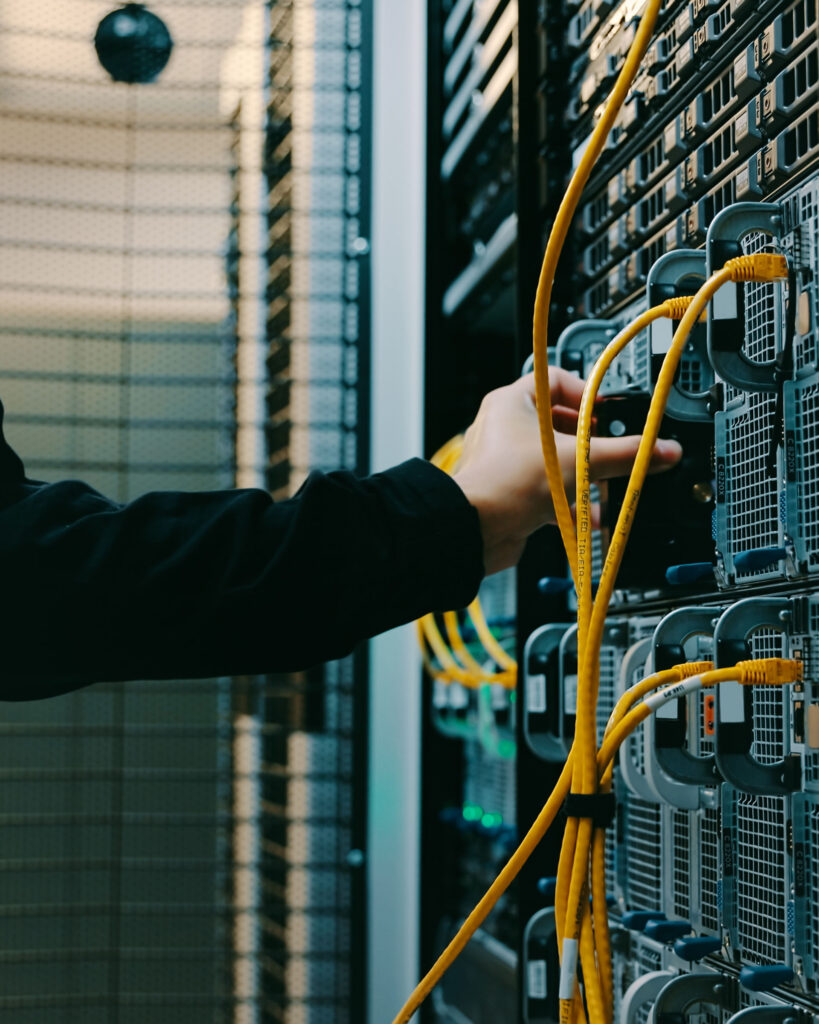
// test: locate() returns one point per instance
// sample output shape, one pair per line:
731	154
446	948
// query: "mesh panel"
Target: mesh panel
762	886
806	414
762	308
681	862
813	862
709	868
155	833
607	693
642	853
770	710
807	251
489	782
752	506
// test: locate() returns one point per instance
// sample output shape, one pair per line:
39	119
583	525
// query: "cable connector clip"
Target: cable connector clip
599	807
693	668
770	671
761	266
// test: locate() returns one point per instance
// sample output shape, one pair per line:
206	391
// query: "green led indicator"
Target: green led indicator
472	812
491	820
507	749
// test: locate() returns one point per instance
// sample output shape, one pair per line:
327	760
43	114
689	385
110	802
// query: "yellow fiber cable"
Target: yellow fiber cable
622	722
554	246
462	653
530	841
456	661
487	638
759	267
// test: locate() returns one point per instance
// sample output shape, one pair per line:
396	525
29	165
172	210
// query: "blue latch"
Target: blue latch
695	947
666	931
764	977
547	887
636	920
690	572
758	558
554	585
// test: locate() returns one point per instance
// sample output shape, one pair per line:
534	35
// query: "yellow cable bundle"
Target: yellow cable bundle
576	924
571	902
455	661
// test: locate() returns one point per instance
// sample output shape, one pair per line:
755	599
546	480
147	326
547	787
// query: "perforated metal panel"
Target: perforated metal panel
709	850
641	851
178	851
681	862
762	878
750	514
770	710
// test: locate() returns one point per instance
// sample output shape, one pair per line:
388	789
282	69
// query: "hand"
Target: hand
501	470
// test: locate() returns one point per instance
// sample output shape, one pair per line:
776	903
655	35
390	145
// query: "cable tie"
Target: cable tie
600	807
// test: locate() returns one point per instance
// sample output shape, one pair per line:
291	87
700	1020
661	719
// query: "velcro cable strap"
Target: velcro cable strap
600	807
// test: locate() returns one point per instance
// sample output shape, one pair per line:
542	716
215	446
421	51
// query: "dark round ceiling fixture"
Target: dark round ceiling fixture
133	44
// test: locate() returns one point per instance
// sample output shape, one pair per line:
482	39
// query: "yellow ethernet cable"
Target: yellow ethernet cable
554	246
571	908
627	715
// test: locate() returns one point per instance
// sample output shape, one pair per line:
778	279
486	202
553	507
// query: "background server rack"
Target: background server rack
715	153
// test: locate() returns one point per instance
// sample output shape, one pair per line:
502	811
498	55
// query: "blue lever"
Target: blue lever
695	947
636	920
764	977
691	572
547	887
758	558
554	585
666	931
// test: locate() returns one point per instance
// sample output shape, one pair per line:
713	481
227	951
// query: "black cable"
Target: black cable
783	372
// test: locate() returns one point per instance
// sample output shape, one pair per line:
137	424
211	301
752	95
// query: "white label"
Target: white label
570	694
458	697
668	710
536	694
741	67
724	303
537	979
568	969
498	697
662	332
440	694
731	702
741	125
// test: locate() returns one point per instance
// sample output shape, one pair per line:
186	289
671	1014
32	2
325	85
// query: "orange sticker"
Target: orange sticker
709	708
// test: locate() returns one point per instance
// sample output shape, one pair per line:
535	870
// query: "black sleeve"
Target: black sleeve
185	585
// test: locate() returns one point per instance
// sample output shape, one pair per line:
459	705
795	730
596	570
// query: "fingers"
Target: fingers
614	456
566	388
565	420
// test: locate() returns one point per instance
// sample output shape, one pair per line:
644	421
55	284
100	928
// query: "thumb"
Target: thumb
614	456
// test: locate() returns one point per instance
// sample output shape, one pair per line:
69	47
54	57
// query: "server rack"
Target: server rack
714	154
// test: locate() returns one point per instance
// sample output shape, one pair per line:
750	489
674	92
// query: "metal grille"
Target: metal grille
681	862
316	404
642	851
807	251
156	833
762	882
607	693
709	868
691	377
806	410
752	508
813	862
489	782
770	720
762	308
